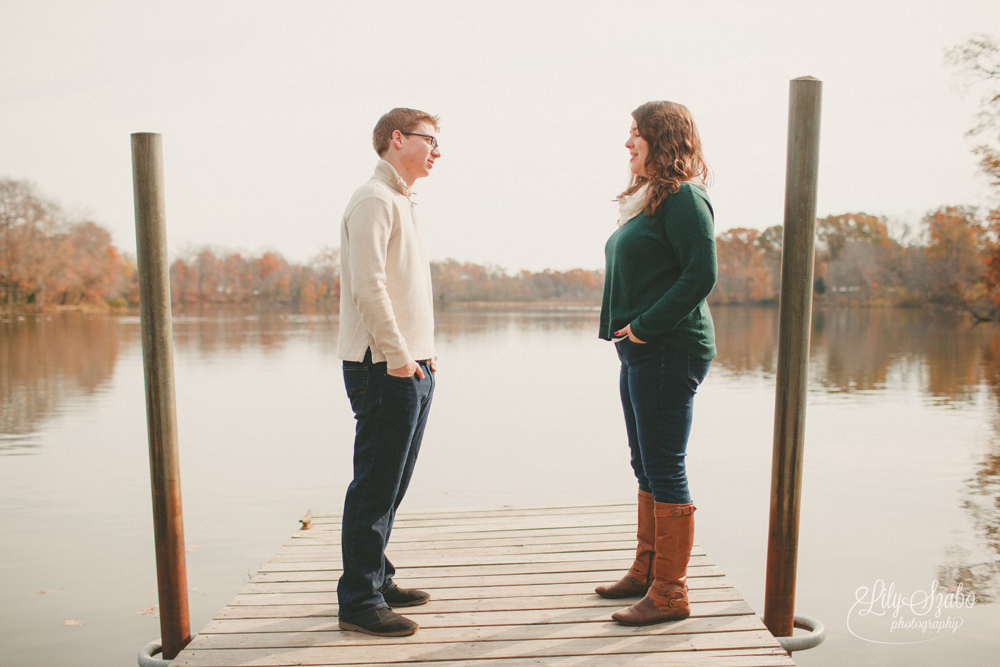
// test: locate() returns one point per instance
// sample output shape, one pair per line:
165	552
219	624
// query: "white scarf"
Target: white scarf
632	205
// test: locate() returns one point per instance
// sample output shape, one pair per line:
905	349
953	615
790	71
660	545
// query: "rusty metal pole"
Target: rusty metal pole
161	417
795	318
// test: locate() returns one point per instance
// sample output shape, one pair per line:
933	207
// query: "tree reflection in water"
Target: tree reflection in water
980	572
866	351
45	359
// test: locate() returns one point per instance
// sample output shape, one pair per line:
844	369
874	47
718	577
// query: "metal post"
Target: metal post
795	317
161	417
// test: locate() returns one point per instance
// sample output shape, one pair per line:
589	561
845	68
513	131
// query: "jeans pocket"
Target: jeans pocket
697	370
356	382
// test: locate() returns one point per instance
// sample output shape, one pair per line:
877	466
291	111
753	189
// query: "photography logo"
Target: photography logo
883	615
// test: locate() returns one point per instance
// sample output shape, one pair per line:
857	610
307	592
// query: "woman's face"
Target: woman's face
638	151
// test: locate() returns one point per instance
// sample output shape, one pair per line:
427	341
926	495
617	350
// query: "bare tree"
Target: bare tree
979	59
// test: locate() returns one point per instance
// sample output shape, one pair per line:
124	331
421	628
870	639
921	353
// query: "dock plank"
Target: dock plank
256	607
510	588
376	651
437	619
411	570
492	633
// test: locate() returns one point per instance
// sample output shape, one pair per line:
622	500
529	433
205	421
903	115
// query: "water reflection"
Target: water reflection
214	330
454	322
938	351
856	350
44	360
747	340
979	571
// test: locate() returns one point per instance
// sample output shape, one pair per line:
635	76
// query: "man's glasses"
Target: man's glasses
431	140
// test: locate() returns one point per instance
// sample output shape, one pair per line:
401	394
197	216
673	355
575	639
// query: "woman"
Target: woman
660	268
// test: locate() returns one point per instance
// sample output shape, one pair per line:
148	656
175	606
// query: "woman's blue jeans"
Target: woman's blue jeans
657	385
391	413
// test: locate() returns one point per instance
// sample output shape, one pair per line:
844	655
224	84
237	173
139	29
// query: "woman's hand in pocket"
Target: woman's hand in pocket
627	331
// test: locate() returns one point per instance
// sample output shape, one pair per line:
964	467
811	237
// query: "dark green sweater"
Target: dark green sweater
659	271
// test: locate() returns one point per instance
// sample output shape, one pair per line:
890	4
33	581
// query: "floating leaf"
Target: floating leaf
151	610
75	623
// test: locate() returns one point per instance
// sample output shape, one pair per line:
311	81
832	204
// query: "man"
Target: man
387	344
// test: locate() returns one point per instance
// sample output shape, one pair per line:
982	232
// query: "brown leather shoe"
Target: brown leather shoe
667	597
405	597
636	581
626	587
381	622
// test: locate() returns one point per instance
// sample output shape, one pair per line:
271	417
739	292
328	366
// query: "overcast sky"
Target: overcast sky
266	111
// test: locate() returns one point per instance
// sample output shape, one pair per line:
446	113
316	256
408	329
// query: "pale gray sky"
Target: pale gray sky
266	111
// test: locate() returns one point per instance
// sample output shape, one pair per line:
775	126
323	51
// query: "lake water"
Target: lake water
901	475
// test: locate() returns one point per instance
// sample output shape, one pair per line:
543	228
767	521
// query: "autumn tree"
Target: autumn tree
770	243
212	276
87	267
47	258
979	60
26	224
744	276
238	280
210	271
835	232
992	280
852	253
959	244
464	281
273	280
326	273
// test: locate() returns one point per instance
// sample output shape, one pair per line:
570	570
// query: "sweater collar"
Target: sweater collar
386	173
630	206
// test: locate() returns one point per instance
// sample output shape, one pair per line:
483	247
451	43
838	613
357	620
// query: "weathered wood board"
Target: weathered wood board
510	588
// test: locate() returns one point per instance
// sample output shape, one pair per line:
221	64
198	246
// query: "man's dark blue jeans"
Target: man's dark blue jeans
657	386
391	413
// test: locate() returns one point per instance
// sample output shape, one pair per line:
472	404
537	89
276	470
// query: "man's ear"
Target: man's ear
397	139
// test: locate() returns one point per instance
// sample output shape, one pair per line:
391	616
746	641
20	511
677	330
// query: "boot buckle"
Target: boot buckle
674	598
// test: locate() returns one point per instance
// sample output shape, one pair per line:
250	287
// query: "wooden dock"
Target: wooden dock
509	587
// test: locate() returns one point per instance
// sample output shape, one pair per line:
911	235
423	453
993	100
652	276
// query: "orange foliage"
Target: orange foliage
46	258
993	258
744	275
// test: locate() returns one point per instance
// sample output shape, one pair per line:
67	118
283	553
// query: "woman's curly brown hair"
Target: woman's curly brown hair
674	152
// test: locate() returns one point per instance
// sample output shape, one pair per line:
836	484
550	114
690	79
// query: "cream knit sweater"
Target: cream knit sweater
386	298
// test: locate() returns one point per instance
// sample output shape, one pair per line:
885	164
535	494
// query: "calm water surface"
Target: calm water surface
901	478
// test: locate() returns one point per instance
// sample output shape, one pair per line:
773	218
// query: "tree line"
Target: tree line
953	259
208	276
48	259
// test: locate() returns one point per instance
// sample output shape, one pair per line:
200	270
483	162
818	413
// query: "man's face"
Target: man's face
417	155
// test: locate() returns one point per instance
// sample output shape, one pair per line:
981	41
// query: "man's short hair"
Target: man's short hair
402	119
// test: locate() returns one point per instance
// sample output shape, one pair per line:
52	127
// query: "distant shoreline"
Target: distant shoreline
520	304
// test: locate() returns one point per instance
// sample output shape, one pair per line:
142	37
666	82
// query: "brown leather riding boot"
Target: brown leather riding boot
637	580
667	597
